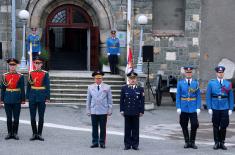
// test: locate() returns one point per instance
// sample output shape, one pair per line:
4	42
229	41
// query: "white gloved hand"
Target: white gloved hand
108	53
39	53
230	112
118	54
179	111
198	111
210	111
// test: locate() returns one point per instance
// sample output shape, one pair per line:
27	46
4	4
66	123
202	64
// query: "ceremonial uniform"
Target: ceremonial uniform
113	51
38	92
131	107
188	104
12	95
36	45
98	105
220	102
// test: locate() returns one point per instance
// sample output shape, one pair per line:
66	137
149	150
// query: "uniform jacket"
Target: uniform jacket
216	90
99	102
132	100
188	98
38	79
35	40
113	46
12	88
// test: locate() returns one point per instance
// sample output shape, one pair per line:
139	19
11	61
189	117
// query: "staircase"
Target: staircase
70	87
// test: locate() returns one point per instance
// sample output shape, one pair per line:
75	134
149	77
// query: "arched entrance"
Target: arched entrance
72	40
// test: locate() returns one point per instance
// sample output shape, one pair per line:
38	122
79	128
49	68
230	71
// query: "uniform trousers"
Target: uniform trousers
113	61
33	107
98	121
131	137
12	110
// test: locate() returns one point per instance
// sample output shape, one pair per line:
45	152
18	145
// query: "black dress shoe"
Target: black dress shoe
187	145
194	146
102	146
94	145
135	148
222	146
216	146
34	137
39	137
9	136
127	148
16	137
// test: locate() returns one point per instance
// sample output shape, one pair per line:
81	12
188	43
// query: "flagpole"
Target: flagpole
128	28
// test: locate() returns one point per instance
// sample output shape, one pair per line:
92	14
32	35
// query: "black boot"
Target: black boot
34	129
192	138
40	127
15	130
223	135
186	138
216	138
9	130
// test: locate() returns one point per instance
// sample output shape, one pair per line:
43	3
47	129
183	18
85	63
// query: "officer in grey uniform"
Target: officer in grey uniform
99	106
132	108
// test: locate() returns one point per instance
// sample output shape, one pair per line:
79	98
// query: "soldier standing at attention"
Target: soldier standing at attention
34	38
113	51
12	96
188	104
220	102
98	105
132	108
38	94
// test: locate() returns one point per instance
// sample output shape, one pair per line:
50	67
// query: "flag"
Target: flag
129	65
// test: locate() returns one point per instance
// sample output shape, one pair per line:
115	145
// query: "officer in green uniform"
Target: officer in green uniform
12	96
38	94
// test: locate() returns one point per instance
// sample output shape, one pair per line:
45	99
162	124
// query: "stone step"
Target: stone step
108	78
59	95
78	91
66	86
87	82
75	100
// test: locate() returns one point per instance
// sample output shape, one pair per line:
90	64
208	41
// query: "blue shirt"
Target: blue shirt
188	97
219	96
113	46
35	40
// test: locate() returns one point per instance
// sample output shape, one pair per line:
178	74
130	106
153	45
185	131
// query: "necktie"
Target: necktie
98	87
188	82
220	81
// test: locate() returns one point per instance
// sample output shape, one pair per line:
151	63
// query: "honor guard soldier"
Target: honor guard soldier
188	104
38	94
34	38
132	108
98	105
220	102
113	51
12	96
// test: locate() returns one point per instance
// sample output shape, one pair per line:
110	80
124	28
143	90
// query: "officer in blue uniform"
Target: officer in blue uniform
132	108
12	96
188	104
220	102
34	38
38	94
113	51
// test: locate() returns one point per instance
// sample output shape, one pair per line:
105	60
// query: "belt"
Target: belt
188	99
113	47
12	90
219	96
38	88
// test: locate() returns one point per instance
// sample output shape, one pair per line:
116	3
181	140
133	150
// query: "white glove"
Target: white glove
108	53
179	111
39	53
230	112
118	54
210	111
198	111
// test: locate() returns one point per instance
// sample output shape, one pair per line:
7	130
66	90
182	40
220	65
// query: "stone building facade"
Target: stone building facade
172	49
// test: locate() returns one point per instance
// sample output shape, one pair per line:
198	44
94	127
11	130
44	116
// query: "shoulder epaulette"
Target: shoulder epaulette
45	71
6	73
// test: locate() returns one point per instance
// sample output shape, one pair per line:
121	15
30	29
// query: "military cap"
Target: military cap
38	59
188	69
113	32
132	74
97	74
219	69
12	61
